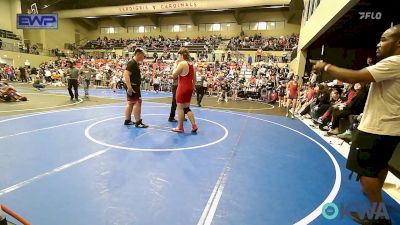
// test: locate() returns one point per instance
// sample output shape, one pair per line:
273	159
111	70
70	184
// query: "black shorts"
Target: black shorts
136	94
370	153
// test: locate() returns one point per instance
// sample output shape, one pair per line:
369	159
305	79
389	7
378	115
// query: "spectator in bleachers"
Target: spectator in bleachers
249	60
322	101
345	99
355	107
259	54
38	84
292	95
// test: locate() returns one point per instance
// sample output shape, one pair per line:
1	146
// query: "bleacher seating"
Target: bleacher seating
8	34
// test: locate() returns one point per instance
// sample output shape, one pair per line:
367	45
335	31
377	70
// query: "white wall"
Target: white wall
56	38
8	15
19	58
15	8
5	12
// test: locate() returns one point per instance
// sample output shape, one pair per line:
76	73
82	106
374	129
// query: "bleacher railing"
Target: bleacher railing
18	47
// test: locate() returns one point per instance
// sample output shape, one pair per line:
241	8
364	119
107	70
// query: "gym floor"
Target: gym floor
76	163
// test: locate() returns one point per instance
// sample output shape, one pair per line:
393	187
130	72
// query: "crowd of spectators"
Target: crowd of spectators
156	43
332	104
256	41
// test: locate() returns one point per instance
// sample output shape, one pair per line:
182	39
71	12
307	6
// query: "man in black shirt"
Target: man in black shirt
23	74
73	76
134	97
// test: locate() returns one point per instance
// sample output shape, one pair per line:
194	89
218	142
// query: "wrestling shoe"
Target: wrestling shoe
128	122
194	128
178	130
140	124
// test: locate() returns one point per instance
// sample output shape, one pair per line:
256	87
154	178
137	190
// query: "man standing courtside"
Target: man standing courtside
134	97
73	75
86	75
379	131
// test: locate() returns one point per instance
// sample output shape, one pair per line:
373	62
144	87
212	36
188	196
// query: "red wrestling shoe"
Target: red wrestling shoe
194	128
178	130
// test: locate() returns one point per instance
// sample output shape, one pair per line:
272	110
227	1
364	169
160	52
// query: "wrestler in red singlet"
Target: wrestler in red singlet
185	86
185	72
293	86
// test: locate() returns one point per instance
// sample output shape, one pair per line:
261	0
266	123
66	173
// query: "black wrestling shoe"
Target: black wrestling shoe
128	122
140	124
172	120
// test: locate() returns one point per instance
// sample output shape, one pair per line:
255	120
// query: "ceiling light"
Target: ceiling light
217	10
127	15
189	26
45	6
90	17
167	13
275	7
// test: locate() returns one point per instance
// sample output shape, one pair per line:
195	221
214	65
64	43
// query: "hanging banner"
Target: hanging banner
37	21
173	6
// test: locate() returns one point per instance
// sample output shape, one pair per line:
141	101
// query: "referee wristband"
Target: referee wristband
326	67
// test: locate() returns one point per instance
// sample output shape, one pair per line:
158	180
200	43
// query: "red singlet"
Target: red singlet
185	86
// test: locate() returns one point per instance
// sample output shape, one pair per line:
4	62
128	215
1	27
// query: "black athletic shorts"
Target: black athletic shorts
370	153
135	96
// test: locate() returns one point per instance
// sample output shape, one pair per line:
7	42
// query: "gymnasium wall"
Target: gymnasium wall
5	12
57	38
8	11
20	58
200	18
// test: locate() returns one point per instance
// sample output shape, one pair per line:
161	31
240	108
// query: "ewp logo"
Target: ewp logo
37	21
331	211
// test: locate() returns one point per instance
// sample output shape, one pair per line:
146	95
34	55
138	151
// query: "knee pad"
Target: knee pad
186	110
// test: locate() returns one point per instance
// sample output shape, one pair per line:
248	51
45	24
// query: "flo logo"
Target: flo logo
370	15
331	211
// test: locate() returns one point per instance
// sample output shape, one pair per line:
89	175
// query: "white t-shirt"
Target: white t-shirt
47	73
114	79
156	80
382	109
